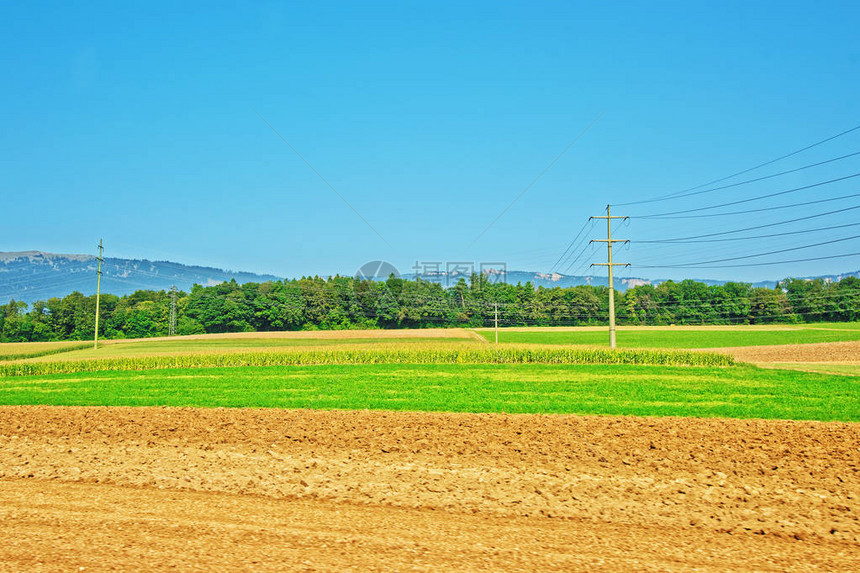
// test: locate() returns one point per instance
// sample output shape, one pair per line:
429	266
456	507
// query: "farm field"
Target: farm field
681	337
822	367
316	451
611	389
271	489
236	342
144	347
23	350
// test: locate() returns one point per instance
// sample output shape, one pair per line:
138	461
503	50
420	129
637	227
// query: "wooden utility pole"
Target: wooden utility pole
609	264
98	293
496	308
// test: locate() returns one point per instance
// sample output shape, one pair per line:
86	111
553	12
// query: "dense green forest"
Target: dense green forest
344	303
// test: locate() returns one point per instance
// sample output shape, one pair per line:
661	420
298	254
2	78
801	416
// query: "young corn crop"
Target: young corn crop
46	352
480	355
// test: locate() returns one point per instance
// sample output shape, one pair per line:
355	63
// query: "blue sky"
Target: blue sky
139	124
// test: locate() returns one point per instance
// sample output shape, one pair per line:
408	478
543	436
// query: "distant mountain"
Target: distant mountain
33	275
550	280
547	280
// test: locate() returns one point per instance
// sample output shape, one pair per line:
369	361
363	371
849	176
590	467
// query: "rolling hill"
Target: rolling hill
34	275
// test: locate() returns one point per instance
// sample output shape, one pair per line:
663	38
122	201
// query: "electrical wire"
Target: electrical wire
764	209
755	227
671	241
721	179
738	202
699	266
757	179
570	246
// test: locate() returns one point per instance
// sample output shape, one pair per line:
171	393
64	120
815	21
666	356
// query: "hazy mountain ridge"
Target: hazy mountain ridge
550	280
35	275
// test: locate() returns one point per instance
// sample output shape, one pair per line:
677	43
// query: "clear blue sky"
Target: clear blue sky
139	124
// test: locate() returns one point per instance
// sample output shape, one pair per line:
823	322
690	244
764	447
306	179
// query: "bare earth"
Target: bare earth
158	488
831	352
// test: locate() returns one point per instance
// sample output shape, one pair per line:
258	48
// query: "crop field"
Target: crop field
622	390
230	343
681	337
23	350
435	450
138	348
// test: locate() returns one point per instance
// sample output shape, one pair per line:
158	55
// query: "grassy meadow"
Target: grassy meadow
533	371
616	389
680	337
824	368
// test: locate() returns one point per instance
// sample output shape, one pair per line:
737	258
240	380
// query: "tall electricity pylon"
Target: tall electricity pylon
609	264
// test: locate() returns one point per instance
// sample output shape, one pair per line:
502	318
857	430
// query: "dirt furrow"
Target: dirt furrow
794	485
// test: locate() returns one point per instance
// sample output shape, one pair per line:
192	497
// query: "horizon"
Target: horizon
6	256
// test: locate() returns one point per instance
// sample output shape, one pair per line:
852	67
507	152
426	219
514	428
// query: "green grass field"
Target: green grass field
677	338
824	368
535	371
737	392
833	325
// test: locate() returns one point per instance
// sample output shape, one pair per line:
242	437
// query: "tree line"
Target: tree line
312	303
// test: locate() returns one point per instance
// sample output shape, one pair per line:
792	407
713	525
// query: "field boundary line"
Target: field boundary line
474	334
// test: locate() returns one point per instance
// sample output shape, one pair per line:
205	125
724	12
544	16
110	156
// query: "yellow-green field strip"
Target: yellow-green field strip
473	355
37	350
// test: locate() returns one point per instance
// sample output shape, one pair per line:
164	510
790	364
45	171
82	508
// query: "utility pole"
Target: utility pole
496	308
172	327
98	293
609	264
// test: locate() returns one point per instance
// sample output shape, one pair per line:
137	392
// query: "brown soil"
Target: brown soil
833	352
124	488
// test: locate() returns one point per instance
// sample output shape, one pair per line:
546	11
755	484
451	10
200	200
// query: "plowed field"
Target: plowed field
142	488
829	352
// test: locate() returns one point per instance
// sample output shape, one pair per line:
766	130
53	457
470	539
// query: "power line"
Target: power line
585	261
720	180
781	250
754	227
675	241
324	180
535	180
757	179
570	246
696	304
767	196
697	266
763	209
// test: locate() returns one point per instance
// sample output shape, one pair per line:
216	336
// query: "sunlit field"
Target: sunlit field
682	337
532	370
641	390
